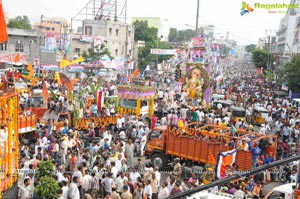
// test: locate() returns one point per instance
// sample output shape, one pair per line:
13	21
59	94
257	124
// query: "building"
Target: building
118	37
163	25
29	44
286	41
51	25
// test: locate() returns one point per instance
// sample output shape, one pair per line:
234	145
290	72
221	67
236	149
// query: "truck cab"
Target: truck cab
37	105
285	191
132	103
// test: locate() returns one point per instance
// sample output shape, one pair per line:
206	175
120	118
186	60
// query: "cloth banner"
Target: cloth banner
224	159
100	100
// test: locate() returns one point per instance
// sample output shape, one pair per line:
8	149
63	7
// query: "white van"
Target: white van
295	101
285	191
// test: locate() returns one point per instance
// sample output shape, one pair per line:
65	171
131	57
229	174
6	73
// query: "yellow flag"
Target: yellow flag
79	59
64	63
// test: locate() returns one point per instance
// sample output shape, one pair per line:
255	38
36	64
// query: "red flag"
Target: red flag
45	91
136	72
3	32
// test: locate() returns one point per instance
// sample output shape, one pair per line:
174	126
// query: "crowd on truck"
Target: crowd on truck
110	160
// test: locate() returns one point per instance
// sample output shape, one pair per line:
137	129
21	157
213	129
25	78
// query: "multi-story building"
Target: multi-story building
51	25
29	44
208	30
163	25
286	41
118	37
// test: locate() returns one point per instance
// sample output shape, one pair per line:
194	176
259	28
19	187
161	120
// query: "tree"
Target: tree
250	48
47	186
21	22
149	35
292	71
259	58
172	35
96	53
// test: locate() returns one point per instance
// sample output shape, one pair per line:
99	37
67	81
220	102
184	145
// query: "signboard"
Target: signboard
86	38
163	51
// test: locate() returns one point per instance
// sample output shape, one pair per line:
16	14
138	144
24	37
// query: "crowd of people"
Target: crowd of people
102	162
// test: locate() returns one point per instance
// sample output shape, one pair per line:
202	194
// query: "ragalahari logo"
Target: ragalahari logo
245	8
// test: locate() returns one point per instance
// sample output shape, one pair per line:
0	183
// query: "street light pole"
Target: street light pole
197	17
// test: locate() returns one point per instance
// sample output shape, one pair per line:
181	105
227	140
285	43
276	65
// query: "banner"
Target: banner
197	42
225	159
163	51
11	57
55	41
50	67
100	100
98	41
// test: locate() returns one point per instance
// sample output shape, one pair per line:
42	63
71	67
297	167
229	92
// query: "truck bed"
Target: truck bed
199	151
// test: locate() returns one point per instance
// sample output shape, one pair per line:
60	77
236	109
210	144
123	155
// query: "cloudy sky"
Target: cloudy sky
225	15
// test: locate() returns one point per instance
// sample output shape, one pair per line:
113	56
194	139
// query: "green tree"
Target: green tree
172	35
292	71
47	186
21	22
259	58
96	53
149	35
250	48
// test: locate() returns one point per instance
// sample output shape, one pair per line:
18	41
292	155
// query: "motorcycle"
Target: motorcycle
284	174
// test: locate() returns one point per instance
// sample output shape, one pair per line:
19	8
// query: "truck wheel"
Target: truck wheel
158	160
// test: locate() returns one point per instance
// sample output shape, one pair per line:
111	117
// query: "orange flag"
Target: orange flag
17	58
136	72
3	30
45	91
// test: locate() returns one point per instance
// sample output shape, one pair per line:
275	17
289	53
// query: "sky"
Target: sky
225	15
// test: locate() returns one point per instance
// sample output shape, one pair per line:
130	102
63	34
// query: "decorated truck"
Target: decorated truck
80	124
199	146
137	100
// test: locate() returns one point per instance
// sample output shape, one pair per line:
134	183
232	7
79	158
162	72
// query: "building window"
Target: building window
110	30
3	46
19	46
77	50
129	52
53	29
117	32
129	33
116	52
47	28
88	30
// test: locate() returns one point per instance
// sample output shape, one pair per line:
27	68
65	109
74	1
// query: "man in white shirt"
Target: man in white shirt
143	143
73	189
24	191
134	175
120	182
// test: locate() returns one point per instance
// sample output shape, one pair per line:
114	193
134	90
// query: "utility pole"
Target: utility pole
197	17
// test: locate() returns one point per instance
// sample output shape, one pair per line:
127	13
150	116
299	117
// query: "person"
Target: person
176	189
24	191
126	194
256	152
73	189
148	189
164	191
114	194
177	169
143	143
129	152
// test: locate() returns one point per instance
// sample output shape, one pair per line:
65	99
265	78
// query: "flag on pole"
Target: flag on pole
224	159
17	58
3	30
136	72
45	91
64	63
